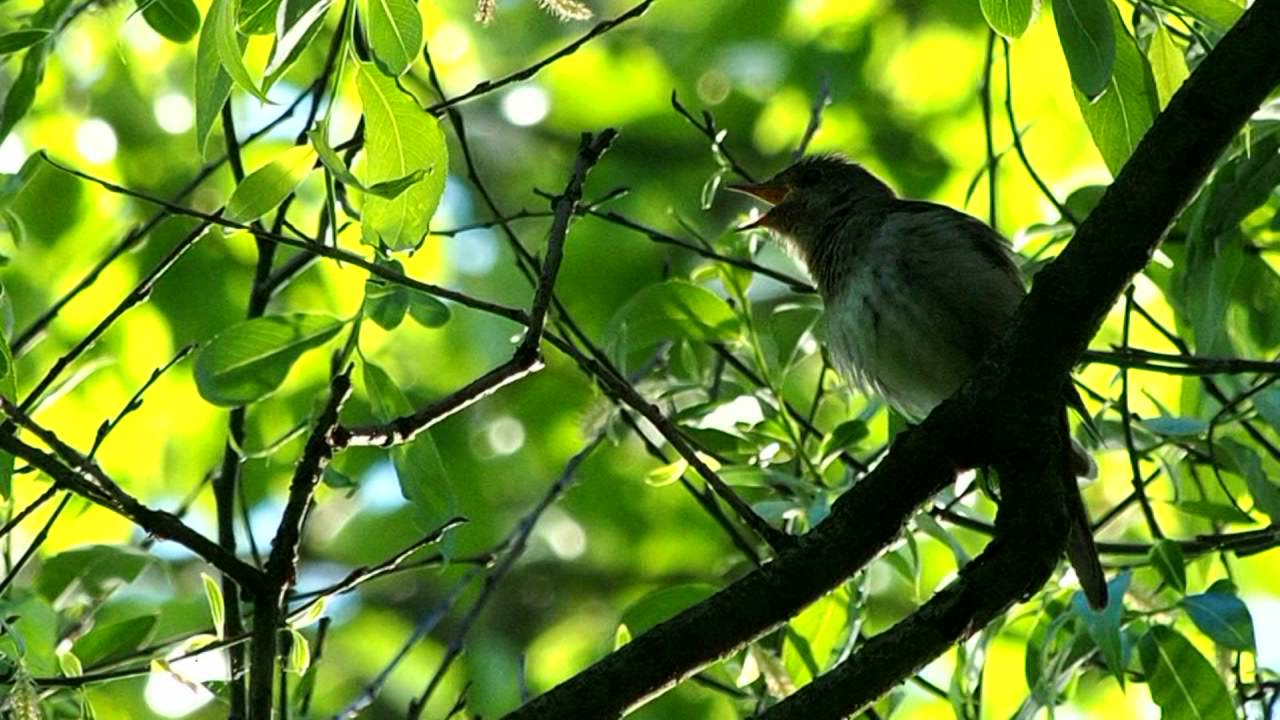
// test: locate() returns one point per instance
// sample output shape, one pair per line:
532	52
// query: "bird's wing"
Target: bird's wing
964	270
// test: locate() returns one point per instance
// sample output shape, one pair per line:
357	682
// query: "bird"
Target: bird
914	293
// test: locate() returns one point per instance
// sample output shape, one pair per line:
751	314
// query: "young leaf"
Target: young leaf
395	34
1166	557
269	185
1182	682
213	84
297	23
671	310
176	20
666	474
248	361
1168	64
299	653
217	609
1089	42
1010	18
1120	117
1223	617
221	22
16	40
400	139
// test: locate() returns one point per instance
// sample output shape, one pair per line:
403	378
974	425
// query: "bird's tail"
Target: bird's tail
1081	552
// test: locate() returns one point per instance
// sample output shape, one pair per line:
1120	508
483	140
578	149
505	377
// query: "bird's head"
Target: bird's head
812	193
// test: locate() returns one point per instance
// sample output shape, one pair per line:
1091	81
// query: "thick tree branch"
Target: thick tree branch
1016	382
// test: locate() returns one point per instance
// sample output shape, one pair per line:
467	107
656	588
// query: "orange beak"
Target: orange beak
772	193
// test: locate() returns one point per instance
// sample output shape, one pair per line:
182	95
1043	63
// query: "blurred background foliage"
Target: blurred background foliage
626	545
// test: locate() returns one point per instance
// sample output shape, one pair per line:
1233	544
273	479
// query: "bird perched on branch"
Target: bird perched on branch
915	293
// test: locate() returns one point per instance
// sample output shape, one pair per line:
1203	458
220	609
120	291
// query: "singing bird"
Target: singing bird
915	293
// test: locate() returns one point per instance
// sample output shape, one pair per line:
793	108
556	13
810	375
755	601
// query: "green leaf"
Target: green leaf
389	189
256	17
248	361
213	84
217	608
16	40
227	42
1182	682
1119	117
1223	617
336	479
400	139
845	435
814	636
110	642
70	664
424	482
427	311
1244	462
299	653
22	91
671	310
1218	14
1089	42
1010	18
94	571
268	186
663	604
1166	557
1215	511
395	34
1103	626
176	20
297	24
1267	403
386	303
9	389
1176	426
1168	64
666	474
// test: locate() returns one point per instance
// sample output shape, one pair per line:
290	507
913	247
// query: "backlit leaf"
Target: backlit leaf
395	34
1168	64
1182	682
297	23
213	84
248	361
1119	113
1010	18
400	139
671	310
268	186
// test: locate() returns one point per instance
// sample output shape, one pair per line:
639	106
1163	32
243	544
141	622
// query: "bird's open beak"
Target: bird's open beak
772	193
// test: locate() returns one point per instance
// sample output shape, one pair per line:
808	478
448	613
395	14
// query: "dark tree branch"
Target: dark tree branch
282	565
72	471
1011	394
488	86
527	357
